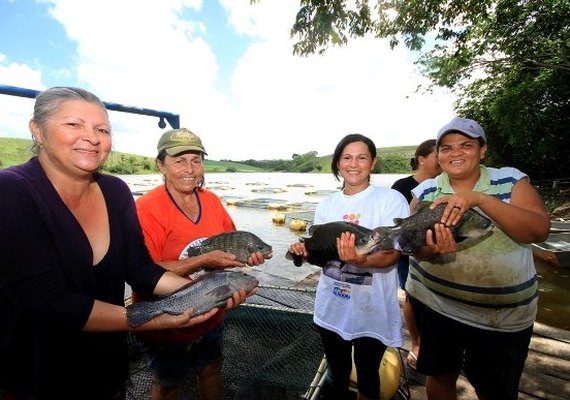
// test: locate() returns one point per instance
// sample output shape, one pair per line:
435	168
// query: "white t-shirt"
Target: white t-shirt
361	302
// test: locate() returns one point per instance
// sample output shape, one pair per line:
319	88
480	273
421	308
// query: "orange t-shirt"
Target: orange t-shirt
167	231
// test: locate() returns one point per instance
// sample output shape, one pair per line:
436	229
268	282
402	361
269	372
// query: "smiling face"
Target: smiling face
75	140
183	172
355	165
460	156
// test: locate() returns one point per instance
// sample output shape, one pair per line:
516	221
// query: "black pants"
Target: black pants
368	353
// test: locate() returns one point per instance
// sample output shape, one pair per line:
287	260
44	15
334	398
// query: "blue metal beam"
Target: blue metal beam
172	119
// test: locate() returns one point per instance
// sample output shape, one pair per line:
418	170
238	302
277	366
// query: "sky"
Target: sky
225	66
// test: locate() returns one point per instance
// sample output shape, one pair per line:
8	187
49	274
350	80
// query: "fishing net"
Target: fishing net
271	349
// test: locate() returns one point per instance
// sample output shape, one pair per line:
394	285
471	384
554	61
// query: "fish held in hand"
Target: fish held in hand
410	232
210	290
239	243
321	245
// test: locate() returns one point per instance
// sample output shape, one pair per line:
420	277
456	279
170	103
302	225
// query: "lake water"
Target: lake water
266	196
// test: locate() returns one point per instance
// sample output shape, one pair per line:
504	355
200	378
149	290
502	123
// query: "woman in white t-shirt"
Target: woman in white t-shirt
356	301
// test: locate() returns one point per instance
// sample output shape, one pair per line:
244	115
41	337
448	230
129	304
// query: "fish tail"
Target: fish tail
297	260
139	313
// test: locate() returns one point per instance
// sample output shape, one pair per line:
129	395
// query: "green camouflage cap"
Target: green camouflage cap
176	141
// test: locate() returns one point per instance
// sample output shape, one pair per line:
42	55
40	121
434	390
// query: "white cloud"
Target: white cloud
16	111
278	104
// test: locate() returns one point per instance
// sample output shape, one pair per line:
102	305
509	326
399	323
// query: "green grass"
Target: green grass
14	151
17	151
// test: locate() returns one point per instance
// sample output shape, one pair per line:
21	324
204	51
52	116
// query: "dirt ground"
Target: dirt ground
563	211
557	201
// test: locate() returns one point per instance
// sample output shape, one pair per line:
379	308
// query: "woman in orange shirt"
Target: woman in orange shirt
173	215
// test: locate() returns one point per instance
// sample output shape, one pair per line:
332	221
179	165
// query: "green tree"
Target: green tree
392	164
508	60
305	162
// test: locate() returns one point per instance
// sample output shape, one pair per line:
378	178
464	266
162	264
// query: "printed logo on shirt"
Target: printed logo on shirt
342	272
352	217
341	290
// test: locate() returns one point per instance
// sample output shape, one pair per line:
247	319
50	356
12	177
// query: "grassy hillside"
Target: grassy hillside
16	151
385	155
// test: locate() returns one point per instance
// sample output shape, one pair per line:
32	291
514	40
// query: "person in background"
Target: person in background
426	165
70	241
172	216
356	303
475	303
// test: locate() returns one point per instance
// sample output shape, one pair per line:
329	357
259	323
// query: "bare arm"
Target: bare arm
216	259
106	317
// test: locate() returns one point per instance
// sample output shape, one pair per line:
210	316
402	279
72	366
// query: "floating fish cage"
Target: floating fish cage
269	190
320	192
265	203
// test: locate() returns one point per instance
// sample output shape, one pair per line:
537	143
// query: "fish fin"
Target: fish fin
313	228
221	291
409	249
193	251
421	205
297	260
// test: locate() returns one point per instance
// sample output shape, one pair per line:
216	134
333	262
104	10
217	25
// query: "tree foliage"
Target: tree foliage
508	60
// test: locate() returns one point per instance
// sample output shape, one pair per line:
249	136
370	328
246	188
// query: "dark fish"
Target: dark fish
321	245
208	291
410	232
239	243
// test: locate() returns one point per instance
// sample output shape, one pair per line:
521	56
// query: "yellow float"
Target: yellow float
278	219
298	225
390	373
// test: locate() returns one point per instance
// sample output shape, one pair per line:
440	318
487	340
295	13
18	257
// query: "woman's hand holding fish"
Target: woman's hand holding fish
257	258
169	321
346	247
298	249
218	259
238	298
457	204
444	241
